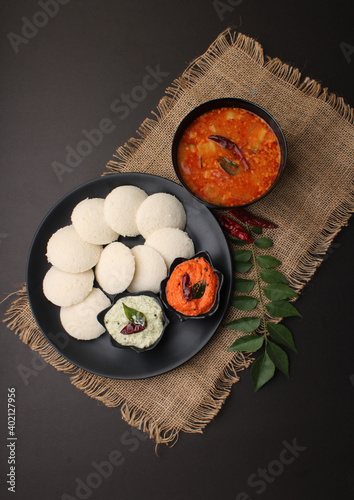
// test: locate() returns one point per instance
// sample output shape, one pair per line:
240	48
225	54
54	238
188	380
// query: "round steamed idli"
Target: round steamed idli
115	269
160	210
150	270
65	289
70	253
120	207
171	243
80	320
88	221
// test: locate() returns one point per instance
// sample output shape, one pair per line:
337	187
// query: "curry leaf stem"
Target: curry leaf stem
265	334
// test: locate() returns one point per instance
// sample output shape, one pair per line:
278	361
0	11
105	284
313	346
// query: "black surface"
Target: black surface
181	341
63	81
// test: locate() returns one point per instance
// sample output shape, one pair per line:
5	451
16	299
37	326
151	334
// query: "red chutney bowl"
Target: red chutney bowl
163	287
229	153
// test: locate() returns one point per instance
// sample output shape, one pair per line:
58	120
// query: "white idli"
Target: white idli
65	289
80	320
70	253
160	210
89	223
120	207
171	243
115	269
150	270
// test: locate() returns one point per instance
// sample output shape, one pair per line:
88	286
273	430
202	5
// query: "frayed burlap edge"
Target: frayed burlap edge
91	384
197	420
18	319
314	257
288	74
199	67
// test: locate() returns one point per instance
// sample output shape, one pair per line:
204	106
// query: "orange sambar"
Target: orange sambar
198	269
199	157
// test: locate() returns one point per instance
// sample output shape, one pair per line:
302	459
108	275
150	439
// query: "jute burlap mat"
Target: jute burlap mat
311	204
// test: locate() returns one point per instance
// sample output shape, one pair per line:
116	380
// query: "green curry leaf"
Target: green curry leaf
256	229
263	243
242	267
243	285
273	276
198	289
242	255
282	309
246	325
237	241
229	166
247	343
282	335
267	261
278	356
262	371
244	302
133	315
278	291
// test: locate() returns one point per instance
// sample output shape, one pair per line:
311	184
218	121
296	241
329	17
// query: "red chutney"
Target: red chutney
198	269
198	157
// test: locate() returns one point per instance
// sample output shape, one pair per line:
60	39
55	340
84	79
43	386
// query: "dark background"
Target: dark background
64	80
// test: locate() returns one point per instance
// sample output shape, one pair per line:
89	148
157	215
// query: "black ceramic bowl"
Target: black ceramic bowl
174	264
229	102
165	320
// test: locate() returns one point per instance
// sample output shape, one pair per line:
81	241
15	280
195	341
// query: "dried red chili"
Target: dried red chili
133	328
228	144
252	220
187	287
191	292
234	228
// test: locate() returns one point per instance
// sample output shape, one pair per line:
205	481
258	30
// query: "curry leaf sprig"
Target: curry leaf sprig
271	292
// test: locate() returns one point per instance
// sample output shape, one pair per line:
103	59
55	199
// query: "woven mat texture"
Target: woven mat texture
313	201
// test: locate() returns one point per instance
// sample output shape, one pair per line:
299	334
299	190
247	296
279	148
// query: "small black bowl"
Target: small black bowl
163	285
229	102
165	320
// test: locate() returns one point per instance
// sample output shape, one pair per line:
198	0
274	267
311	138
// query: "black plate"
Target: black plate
181	341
